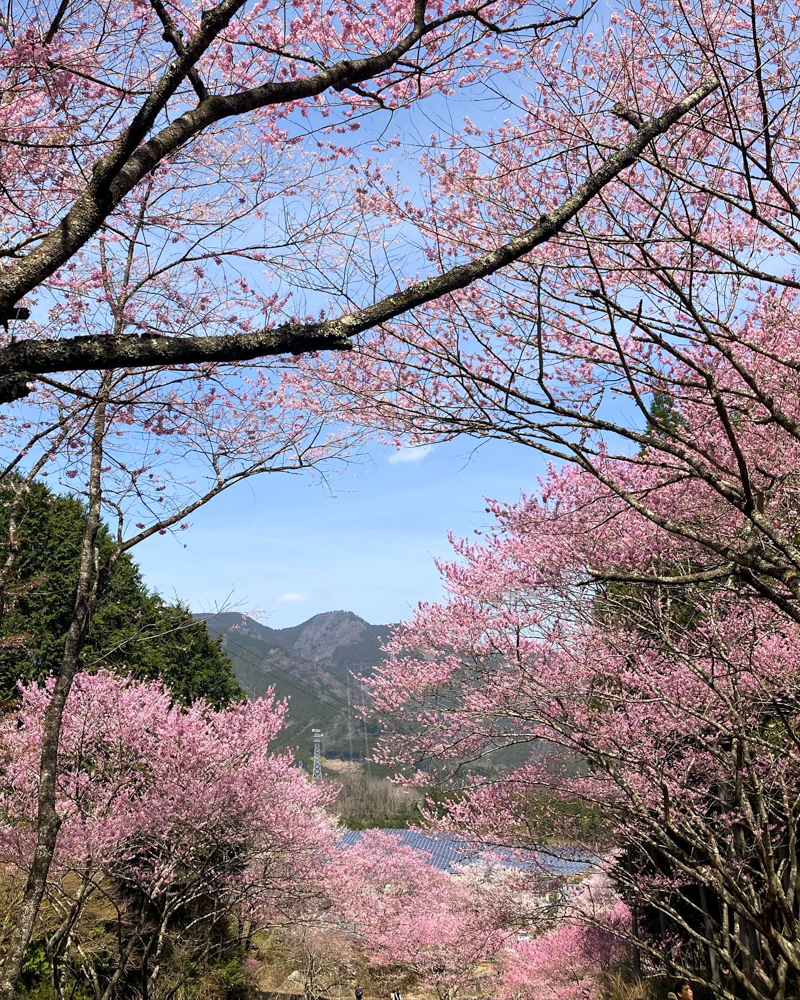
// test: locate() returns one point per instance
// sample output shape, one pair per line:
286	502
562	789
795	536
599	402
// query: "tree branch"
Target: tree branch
20	361
173	36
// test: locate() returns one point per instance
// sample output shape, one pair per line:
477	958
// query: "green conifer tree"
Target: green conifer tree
134	631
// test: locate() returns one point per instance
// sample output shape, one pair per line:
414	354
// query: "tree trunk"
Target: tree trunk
709	932
47	820
636	957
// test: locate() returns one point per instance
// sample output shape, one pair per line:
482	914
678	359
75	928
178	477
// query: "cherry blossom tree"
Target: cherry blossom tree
653	339
100	98
327	958
640	610
390	917
569	959
182	821
181	154
161	158
671	711
143	448
437	925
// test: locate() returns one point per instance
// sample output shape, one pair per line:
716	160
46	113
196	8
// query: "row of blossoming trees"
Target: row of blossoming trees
606	272
183	836
180	831
638	612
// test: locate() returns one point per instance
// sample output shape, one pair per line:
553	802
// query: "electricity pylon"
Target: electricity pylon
317	772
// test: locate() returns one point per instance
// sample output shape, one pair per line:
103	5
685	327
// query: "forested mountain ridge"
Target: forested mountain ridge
312	664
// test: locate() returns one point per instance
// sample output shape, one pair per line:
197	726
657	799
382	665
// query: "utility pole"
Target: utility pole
316	774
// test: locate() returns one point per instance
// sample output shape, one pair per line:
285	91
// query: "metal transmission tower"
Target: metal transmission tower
317	772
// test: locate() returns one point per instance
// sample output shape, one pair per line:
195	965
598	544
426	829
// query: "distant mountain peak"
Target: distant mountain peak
310	663
336	637
331	615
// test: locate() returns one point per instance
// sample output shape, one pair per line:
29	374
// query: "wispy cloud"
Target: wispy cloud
411	454
294	597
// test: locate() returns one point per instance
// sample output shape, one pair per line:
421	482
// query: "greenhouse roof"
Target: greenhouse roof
448	851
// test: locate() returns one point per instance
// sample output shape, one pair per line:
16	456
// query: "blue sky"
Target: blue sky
283	547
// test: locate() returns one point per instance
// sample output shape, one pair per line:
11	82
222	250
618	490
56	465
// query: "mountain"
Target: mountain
339	639
311	664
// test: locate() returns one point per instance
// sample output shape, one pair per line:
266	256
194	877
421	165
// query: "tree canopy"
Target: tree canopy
134	631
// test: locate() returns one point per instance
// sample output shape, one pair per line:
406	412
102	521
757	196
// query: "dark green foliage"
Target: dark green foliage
133	630
666	415
216	970
577	819
35	980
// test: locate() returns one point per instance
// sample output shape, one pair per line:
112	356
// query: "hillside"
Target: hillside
310	664
340	640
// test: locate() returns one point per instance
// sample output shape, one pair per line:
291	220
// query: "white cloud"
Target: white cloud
411	454
294	597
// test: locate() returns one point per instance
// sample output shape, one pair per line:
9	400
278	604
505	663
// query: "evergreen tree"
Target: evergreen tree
133	631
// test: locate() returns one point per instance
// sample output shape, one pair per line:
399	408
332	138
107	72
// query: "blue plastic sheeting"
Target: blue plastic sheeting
448	851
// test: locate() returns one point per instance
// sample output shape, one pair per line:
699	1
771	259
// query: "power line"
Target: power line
366	738
290	678
317	663
349	719
259	662
331	701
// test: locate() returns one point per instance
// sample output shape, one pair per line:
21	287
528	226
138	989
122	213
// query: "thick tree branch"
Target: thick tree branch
133	156
656	579
24	360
